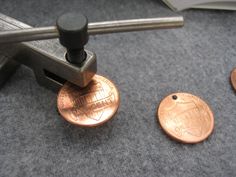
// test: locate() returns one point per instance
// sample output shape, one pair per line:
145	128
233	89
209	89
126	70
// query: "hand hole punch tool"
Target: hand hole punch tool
22	44
87	99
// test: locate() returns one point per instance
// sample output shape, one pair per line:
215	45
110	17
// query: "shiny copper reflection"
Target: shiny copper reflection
233	78
90	106
185	117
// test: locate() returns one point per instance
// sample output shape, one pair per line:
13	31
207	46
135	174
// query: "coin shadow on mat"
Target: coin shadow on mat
82	134
232	88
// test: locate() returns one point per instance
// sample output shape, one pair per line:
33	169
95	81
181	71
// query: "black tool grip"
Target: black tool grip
73	34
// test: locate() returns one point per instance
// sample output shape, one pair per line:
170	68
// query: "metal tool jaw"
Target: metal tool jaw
46	58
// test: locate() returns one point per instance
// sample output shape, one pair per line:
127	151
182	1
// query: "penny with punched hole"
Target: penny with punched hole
185	118
90	106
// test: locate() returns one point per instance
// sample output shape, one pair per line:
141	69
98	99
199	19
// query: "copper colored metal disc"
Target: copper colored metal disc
185	117
233	78
90	106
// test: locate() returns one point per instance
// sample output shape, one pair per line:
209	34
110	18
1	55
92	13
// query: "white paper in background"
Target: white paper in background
179	5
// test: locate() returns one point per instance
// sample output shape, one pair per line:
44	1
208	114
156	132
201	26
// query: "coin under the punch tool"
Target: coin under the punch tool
233	78
185	118
90	106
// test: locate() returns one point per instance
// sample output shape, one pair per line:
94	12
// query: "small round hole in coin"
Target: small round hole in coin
174	97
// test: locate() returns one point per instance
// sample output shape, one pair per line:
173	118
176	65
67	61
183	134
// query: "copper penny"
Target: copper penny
90	106
185	117
233	78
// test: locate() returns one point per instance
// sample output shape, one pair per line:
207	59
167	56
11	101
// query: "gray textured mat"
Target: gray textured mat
146	66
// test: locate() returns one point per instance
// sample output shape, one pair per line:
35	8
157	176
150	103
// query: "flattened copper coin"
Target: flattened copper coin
185	118
233	78
90	106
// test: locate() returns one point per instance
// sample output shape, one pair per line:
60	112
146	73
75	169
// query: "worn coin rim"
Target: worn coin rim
177	138
91	125
233	83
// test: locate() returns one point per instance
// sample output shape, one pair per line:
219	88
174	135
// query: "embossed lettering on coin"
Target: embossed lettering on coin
185	117
90	106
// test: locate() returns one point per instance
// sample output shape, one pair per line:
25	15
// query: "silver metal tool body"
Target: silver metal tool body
47	57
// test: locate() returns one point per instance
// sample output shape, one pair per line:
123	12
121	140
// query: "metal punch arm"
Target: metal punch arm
31	34
47	57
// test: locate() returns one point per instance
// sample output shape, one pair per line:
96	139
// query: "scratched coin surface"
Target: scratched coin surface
90	106
233	78
185	118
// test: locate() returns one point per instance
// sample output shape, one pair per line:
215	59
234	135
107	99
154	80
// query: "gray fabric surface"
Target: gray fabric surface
146	66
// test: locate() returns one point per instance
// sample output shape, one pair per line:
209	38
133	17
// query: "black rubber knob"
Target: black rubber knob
73	34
